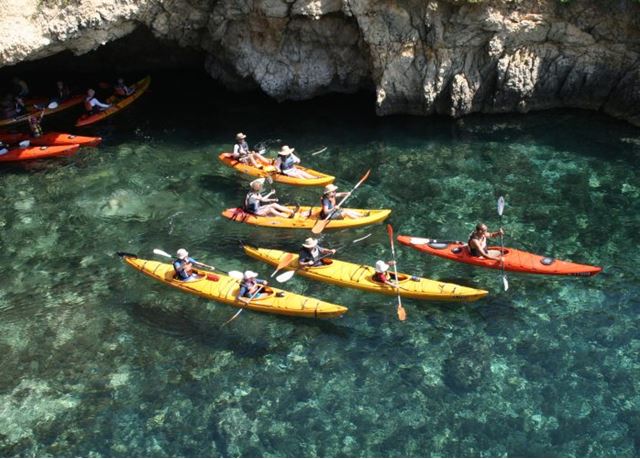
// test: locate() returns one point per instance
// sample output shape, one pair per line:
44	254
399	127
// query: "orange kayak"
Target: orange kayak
270	171
52	138
514	260
25	154
140	87
70	102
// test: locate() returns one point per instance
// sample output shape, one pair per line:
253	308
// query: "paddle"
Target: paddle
247	302
322	150
322	224
505	282
237	275
284	277
402	315
286	260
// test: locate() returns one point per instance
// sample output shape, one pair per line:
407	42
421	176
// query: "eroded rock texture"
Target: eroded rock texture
442	56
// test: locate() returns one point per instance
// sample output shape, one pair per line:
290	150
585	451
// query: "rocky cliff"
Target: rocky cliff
422	57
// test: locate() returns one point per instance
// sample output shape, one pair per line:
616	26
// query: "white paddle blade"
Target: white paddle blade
237	275
500	205
505	282
162	253
284	277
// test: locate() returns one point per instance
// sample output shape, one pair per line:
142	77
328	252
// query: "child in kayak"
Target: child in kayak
383	275
286	161
34	124
478	242
92	105
328	201
254	200
183	266
250	287
312	254
242	153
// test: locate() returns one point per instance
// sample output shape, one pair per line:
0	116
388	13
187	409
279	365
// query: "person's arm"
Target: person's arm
95	102
295	159
241	294
236	150
325	207
483	250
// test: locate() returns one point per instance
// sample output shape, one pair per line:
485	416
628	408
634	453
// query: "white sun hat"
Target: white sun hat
250	275
182	254
381	266
310	243
285	150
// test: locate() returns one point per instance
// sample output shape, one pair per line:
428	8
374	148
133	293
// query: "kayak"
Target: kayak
37	110
28	153
224	289
514	260
51	138
118	104
302	219
357	276
270	171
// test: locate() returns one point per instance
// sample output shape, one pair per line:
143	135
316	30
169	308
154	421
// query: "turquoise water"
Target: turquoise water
99	360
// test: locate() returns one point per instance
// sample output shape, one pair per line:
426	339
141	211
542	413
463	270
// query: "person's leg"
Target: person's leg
282	208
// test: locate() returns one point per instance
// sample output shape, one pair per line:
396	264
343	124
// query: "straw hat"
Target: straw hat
310	243
286	151
240	136
329	188
257	183
250	275
381	266
182	254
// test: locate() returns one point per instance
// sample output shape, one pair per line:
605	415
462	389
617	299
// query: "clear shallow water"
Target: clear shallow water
99	360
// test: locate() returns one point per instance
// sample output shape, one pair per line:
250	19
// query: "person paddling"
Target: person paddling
122	90
311	254
34	124
328	201
92	105
62	92
478	241
250	287
253	202
183	266
286	164
383	275
242	153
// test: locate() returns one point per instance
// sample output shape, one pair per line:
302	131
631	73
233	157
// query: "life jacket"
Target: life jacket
330	205
36	129
251	204
380	277
181	272
473	250
286	162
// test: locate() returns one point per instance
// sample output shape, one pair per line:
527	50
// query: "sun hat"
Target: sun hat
257	183
285	150
240	135
329	188
250	275
310	243
182	254
381	266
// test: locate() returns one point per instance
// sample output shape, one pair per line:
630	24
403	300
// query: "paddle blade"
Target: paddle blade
161	253
284	277
319	226
500	205
505	282
390	231
319	151
402	314
237	275
286	260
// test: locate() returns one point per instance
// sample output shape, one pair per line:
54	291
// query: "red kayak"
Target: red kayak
25	154
40	111
51	138
514	260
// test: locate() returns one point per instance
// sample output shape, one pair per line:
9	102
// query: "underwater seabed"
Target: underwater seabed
99	360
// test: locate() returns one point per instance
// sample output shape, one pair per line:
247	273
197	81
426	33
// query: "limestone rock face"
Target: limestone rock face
420	56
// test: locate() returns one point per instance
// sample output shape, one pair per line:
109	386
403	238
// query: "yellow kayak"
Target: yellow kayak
305	220
357	276
224	289
270	171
